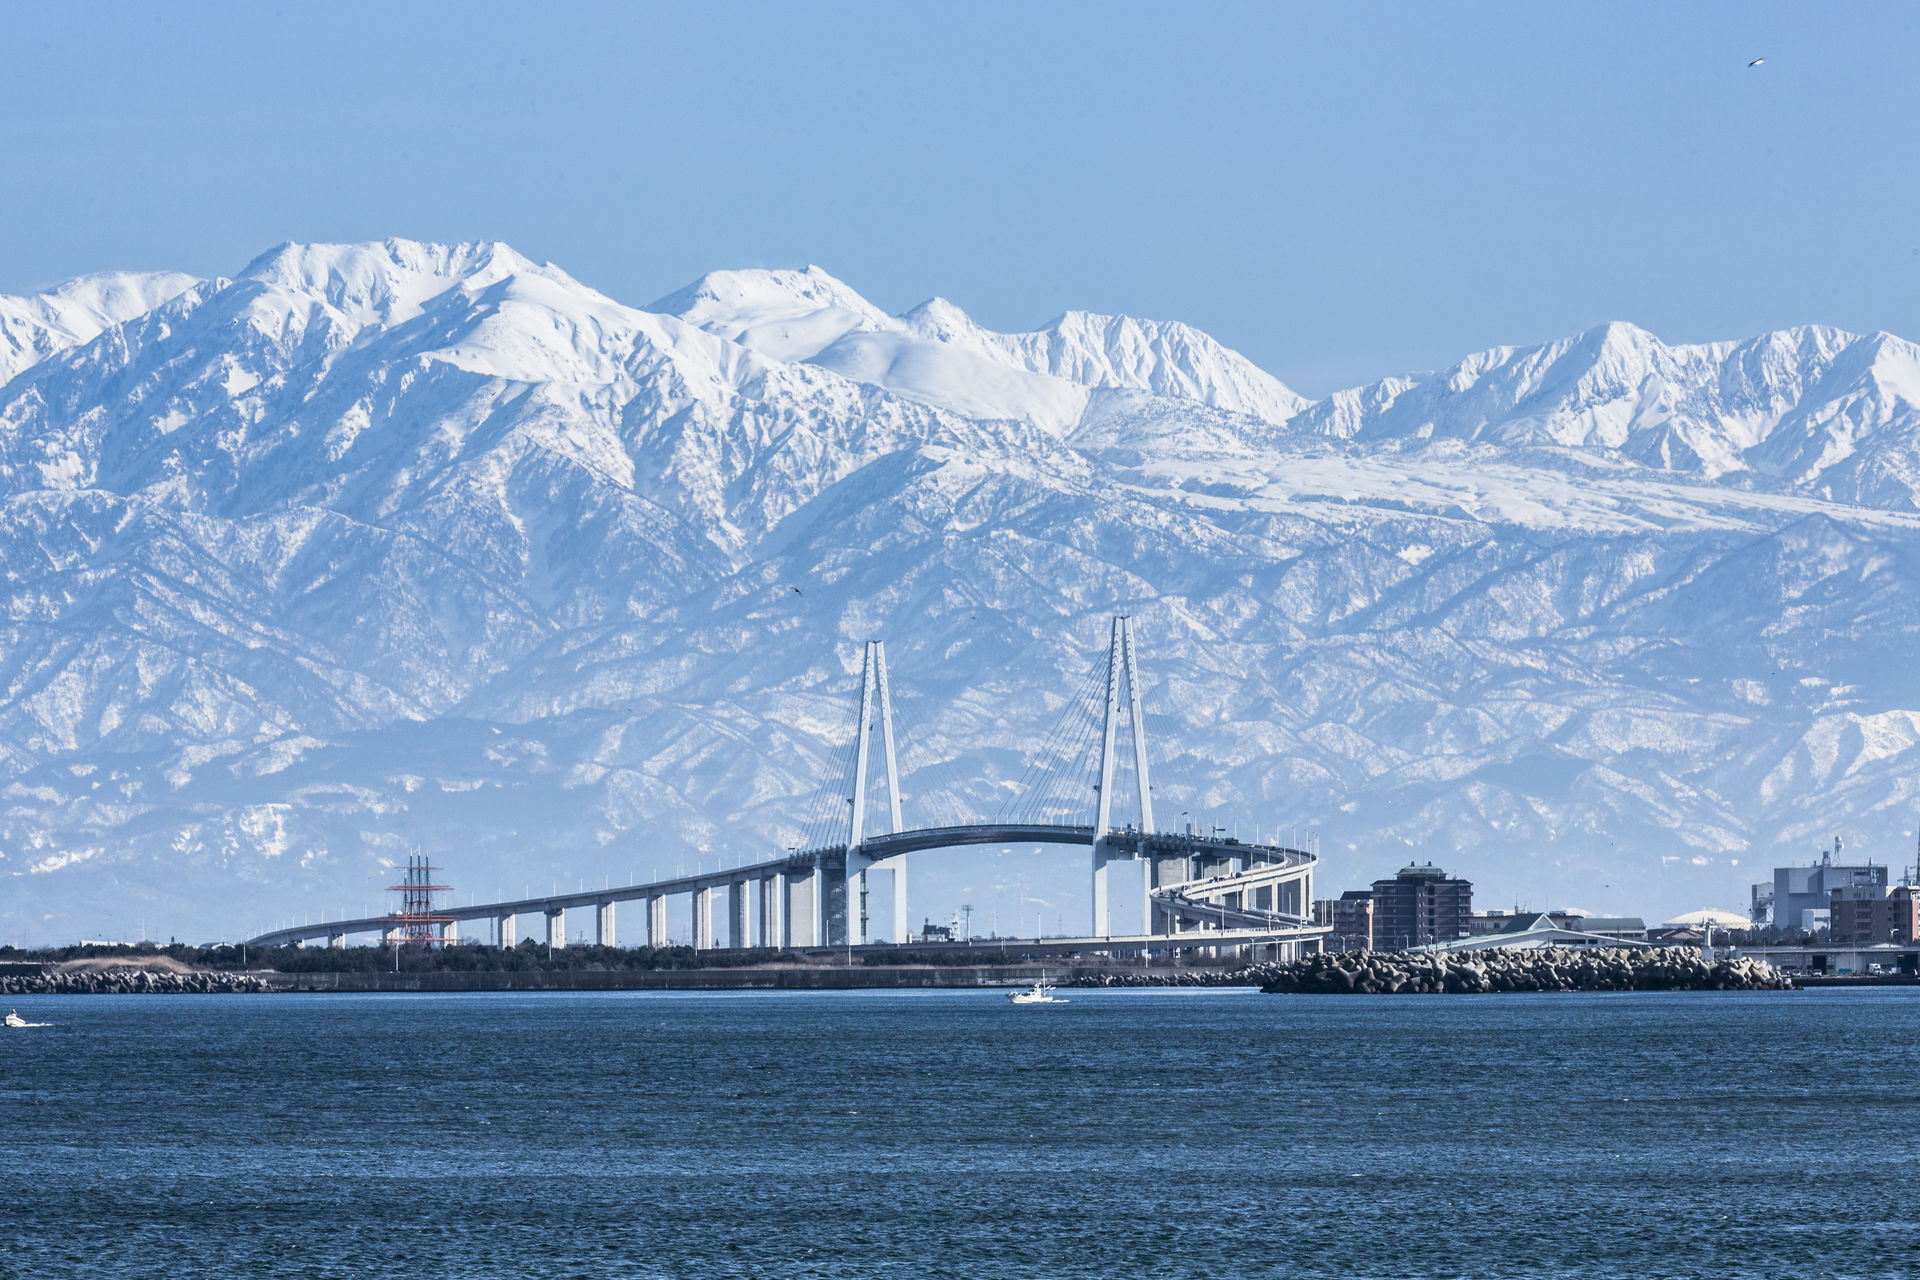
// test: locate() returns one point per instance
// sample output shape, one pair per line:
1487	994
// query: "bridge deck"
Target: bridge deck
1123	844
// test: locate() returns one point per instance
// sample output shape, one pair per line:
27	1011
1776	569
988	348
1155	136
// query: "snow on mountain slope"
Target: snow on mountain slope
389	546
34	327
1814	408
938	355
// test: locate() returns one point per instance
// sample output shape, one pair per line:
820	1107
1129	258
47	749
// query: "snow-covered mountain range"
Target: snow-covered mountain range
391	546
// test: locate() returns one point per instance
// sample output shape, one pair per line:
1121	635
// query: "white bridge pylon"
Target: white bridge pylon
876	711
876	704
1120	666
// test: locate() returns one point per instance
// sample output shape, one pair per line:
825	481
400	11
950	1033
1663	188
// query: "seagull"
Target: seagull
1756	62
797	591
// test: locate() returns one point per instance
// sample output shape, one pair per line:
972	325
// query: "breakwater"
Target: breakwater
1543	969
126	982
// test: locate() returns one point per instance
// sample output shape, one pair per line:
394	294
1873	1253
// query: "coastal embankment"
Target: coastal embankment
1423	973
95	979
124	980
1544	969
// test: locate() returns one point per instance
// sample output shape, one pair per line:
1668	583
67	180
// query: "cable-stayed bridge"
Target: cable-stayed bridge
1196	888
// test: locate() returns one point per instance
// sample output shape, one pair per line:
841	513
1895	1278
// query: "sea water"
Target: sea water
1124	1133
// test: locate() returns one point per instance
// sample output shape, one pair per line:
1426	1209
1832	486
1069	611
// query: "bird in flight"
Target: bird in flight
1756	62
797	591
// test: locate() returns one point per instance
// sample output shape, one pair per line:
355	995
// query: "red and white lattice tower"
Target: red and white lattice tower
416	920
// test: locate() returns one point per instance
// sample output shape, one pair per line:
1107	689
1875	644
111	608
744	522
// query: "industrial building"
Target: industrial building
1802	896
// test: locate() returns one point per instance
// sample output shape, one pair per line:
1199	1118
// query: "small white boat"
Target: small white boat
1038	993
15	1020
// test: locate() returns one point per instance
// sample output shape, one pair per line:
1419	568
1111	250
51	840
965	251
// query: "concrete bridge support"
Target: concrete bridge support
896	867
803	907
703	919
840	890
450	933
338	941
603	925
1103	895
739	929
657	920
773	892
556	927
503	930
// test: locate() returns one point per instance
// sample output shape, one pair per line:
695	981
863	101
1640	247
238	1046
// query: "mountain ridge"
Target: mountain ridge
376	547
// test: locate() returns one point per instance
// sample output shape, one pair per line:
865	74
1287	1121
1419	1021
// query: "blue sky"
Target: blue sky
1341	193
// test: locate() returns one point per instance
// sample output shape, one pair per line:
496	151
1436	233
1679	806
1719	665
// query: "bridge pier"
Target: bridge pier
703	919
803	907
449	933
772	891
338	941
1103	857
738	898
896	867
656	920
503	930
556	928
839	904
603	930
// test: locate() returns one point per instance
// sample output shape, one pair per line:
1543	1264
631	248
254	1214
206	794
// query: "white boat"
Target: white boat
15	1020
1038	993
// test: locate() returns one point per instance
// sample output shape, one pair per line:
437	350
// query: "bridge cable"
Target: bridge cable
921	760
1034	791
1039	761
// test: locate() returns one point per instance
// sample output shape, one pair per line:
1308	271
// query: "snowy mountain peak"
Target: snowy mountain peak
389	281
1162	357
1813	407
37	325
938	320
784	314
938	354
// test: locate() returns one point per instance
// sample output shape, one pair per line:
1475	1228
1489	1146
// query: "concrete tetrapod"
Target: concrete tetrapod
1541	969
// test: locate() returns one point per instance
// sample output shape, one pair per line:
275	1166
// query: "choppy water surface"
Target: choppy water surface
1181	1133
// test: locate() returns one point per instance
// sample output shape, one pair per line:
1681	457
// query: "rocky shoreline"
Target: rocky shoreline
1545	969
1409	973
128	982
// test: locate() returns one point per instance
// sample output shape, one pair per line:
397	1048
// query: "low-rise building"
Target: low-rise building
1497	919
1865	915
1350	916
1532	930
1621	928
